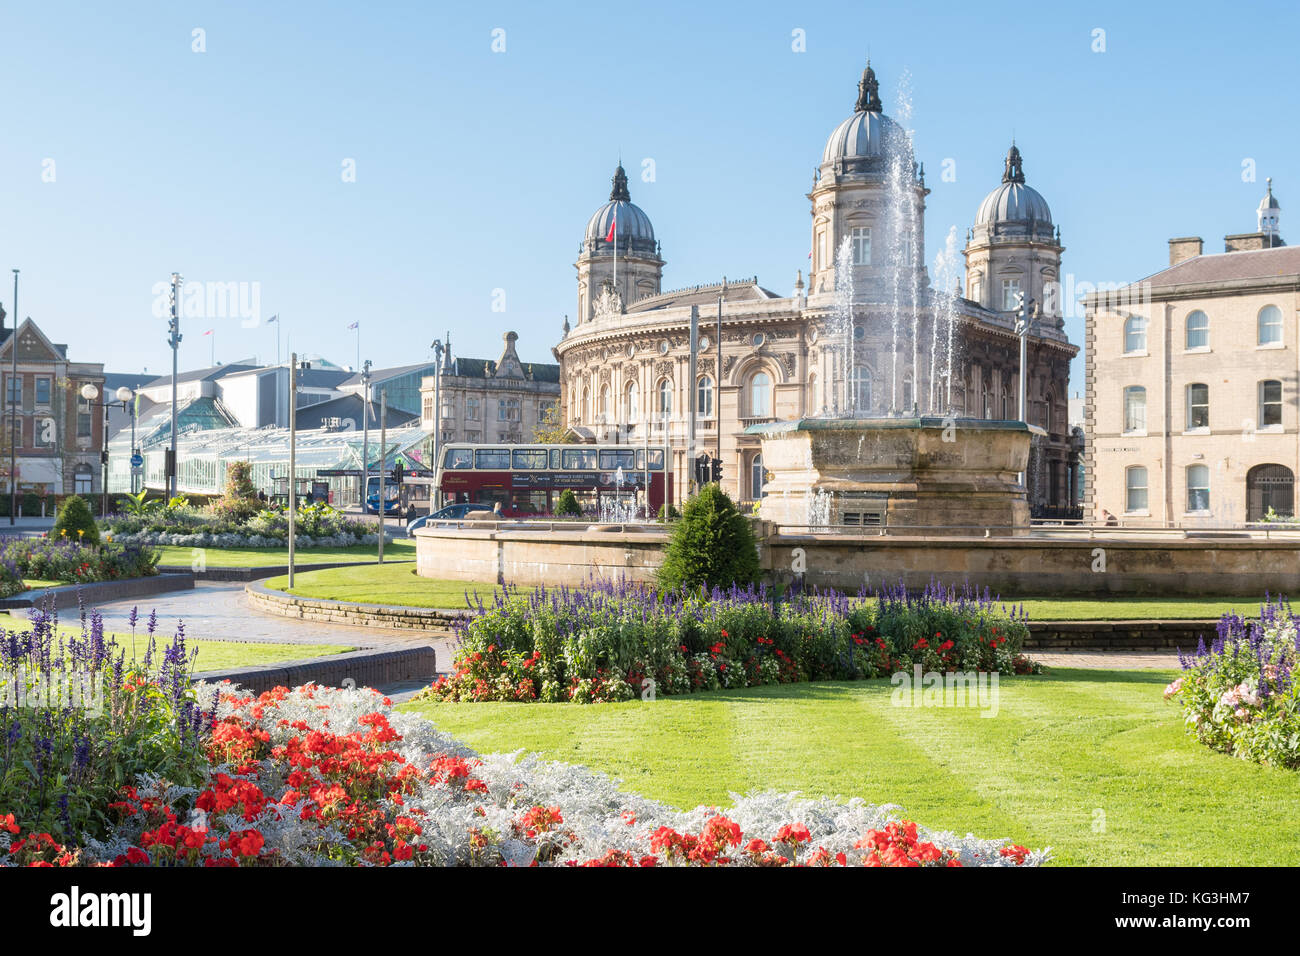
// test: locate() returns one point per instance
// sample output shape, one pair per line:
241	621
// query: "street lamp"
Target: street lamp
90	392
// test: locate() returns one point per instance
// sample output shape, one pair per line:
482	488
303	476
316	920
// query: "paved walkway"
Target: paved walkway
1107	660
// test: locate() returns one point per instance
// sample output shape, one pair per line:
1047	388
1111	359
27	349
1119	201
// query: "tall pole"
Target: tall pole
1022	327
365	435
103	465
175	340
135	400
437	404
293	457
13	421
383	448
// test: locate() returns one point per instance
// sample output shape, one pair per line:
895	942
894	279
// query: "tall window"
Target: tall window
13	390
83	423
861	383
1270	325
1135	409
508	410
586	405
760	395
633	397
905	249
604	411
821	249
471	409
1198	330
756	481
42	391
1270	403
666	398
1198	406
704	398
1135	489
1010	295
1198	488
861	236
1135	333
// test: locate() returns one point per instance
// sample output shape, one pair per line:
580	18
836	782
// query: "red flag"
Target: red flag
613	225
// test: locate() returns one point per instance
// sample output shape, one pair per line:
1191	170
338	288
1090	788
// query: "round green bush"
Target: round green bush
75	522
567	505
712	545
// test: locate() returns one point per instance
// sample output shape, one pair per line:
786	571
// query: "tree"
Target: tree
712	545
567	505
550	428
240	502
75	522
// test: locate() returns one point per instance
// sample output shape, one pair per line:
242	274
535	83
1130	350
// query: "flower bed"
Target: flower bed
316	526
315	776
71	562
1239	695
614	642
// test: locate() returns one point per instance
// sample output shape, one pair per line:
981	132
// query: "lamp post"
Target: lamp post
90	392
437	402
1022	393
174	339
365	436
13	418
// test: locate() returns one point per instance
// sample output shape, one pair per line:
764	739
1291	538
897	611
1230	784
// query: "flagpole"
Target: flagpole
213	333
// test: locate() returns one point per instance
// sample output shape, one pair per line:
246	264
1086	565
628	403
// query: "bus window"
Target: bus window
656	459
497	459
612	459
579	459
555	459
458	458
530	458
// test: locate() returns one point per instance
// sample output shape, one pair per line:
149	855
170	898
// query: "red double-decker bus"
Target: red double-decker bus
529	479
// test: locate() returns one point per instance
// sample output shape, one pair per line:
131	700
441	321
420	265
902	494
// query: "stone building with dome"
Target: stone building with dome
624	364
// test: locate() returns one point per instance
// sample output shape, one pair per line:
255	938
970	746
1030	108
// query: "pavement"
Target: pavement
1107	660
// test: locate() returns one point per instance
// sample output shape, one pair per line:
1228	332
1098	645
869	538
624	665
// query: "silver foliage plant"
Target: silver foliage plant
595	811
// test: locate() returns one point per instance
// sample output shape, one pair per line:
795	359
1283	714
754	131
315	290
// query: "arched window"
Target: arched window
632	401
586	405
1135	489
1269	488
1198	330
813	404
1198	406
756	480
1198	488
604	403
666	398
704	397
760	395
861	388
1270	403
1135	409
1270	325
1135	334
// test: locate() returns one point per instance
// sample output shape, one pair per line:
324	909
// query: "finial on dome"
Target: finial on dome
1013	172
868	92
619	193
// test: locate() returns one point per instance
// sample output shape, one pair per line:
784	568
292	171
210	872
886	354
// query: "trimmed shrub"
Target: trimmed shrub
567	506
668	512
240	501
75	522
712	546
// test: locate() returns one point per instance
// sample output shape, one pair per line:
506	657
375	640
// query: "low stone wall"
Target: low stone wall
260	572
70	595
437	620
1119	635
531	557
366	668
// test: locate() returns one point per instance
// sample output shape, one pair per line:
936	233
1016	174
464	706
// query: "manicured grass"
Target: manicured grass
1092	763
399	550
36	583
390	584
1134	609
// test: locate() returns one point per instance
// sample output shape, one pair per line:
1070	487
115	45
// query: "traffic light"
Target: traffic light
397	473
715	470
702	470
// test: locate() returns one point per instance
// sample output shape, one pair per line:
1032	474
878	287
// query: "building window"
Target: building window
586	405
604	403
13	390
665	399
448	408
1198	330
471	409
1135	489
84	423
861	236
1010	295
1270	403
1135	334
821	249
82	480
44	432
756	480
1198	406
473	436
1270	325
633	395
1135	409
1198	488
861	388
704	398
1269	488
508	410
905	249
976	289
42	391
427	406
760	395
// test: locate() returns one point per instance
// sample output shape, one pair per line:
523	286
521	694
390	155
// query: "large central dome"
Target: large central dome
633	223
866	135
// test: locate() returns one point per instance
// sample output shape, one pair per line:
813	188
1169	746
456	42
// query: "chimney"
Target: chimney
1186	248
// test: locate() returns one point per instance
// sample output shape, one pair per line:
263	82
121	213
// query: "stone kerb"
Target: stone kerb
396	617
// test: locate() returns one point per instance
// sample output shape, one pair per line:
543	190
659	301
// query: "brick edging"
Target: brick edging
1120	635
364	668
398	617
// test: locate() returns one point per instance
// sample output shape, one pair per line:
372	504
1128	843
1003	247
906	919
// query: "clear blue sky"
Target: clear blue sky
477	170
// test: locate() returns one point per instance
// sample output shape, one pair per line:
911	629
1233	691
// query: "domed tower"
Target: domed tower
639	268
867	189
1269	214
1013	249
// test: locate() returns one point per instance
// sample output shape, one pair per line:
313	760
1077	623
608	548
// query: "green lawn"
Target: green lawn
400	550
391	584
1065	752
37	583
1132	609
